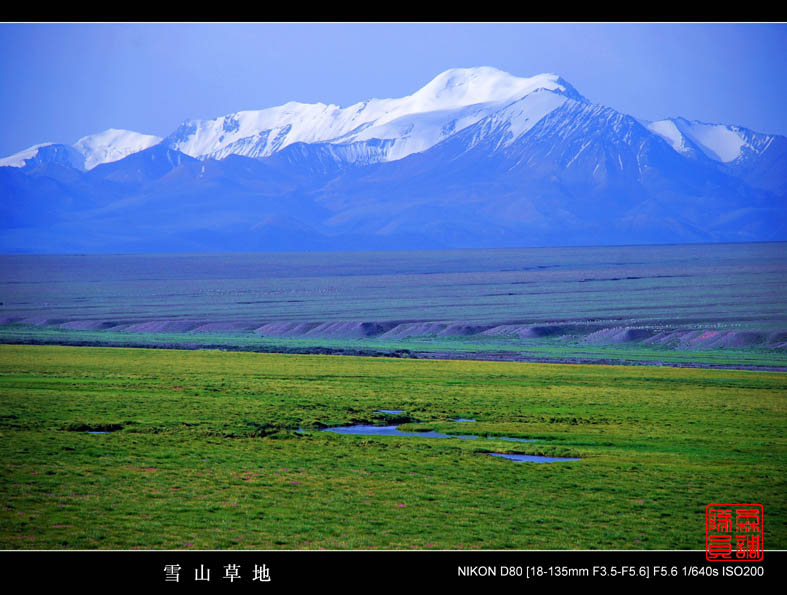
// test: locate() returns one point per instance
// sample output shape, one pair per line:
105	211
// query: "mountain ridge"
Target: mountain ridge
475	158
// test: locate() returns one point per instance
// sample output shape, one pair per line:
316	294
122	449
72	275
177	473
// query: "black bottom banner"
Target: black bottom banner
361	570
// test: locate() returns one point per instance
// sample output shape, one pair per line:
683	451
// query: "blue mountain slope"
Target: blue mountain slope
582	174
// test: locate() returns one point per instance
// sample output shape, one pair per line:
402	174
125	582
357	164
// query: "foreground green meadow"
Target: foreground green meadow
205	452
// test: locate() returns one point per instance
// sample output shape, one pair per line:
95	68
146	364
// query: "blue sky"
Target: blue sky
62	81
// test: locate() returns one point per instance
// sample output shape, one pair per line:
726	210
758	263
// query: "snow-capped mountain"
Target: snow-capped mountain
476	158
45	153
449	103
113	145
759	159
387	129
718	142
85	154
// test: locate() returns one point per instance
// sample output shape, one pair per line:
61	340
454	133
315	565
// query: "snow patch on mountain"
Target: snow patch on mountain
667	130
719	142
522	115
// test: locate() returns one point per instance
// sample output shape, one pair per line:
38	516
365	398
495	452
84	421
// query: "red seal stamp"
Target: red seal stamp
734	532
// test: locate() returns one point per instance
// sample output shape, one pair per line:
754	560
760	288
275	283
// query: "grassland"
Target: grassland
203	452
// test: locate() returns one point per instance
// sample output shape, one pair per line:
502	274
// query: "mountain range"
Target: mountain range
476	158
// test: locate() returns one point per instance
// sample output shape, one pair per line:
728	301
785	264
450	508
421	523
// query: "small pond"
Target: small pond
530	458
365	430
369	430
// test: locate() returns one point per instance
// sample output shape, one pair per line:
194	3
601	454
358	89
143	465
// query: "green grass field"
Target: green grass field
206	453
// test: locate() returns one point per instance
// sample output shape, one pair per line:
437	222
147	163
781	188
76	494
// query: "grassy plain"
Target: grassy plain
205	453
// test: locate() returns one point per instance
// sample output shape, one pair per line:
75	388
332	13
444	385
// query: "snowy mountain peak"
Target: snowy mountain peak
45	153
112	145
379	130
718	142
460	87
451	101
21	158
88	152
